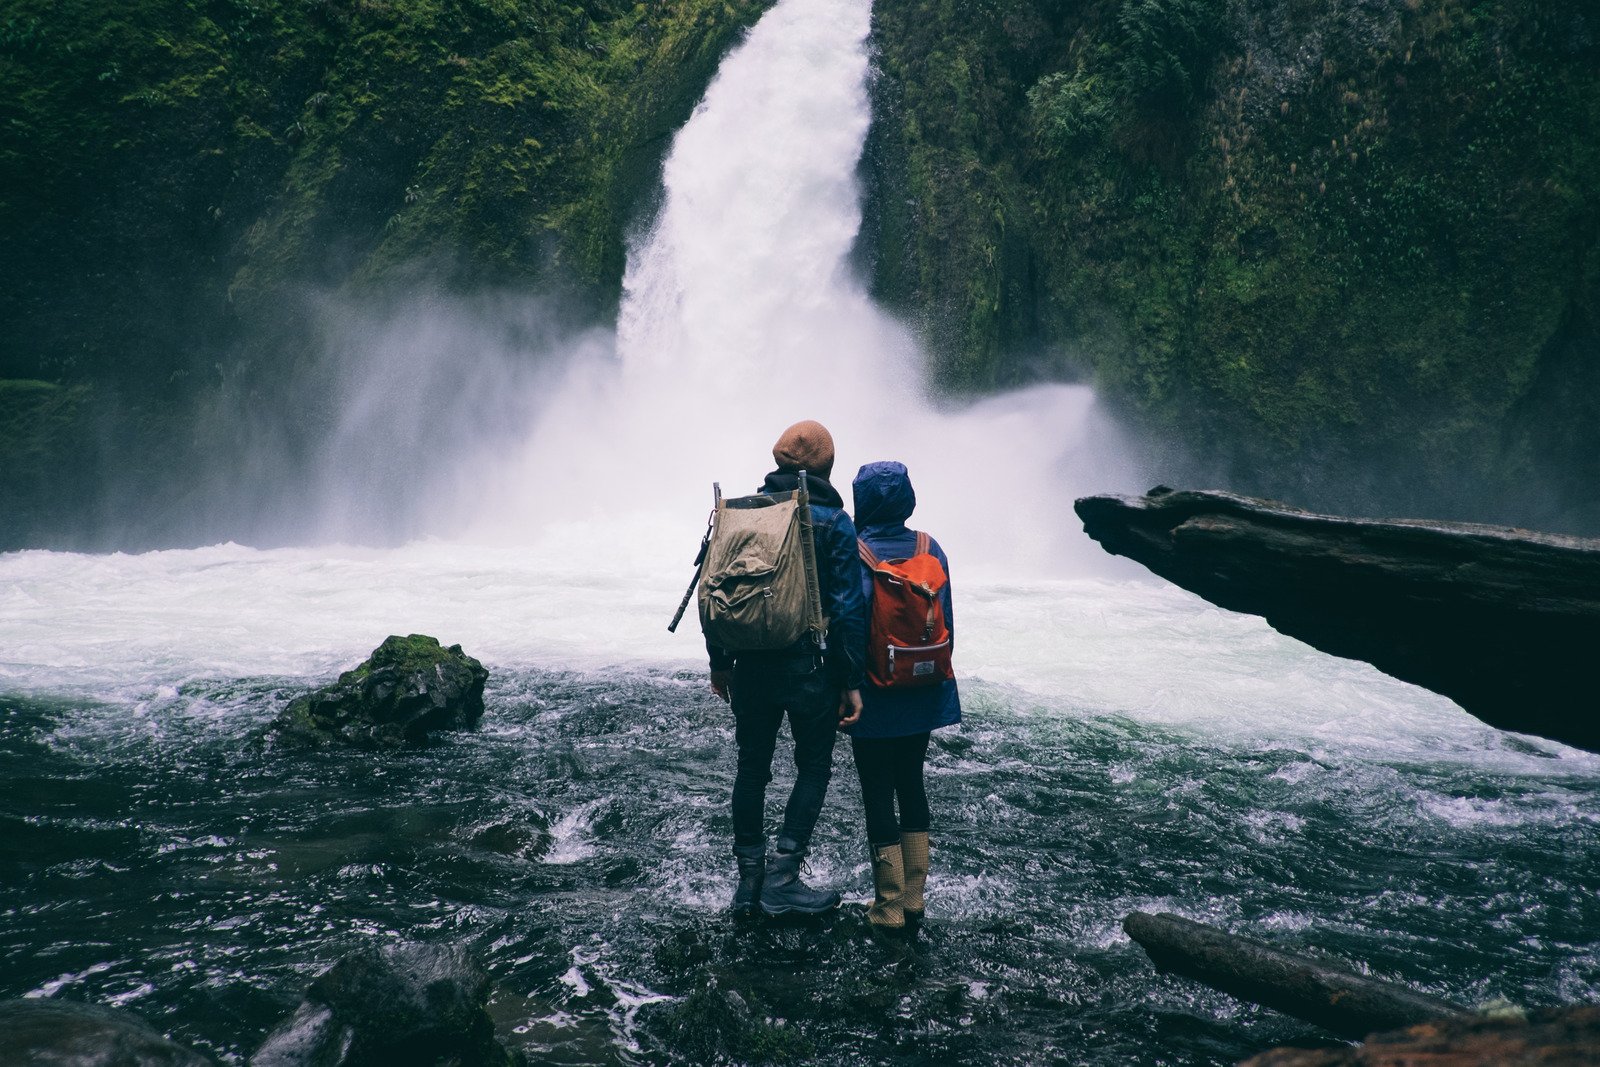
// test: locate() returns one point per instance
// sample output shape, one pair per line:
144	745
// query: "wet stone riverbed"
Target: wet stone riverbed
159	857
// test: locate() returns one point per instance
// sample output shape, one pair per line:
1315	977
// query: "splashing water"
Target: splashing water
741	315
1126	746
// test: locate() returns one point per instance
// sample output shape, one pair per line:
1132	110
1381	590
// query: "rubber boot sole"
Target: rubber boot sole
795	909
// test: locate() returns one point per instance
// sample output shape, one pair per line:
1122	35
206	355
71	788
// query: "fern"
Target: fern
1167	45
1069	109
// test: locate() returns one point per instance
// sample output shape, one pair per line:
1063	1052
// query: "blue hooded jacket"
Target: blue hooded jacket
884	501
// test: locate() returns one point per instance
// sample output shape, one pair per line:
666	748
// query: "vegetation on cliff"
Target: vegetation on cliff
1348	252
176	174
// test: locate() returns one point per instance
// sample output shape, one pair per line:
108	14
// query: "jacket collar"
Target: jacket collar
884	531
821	490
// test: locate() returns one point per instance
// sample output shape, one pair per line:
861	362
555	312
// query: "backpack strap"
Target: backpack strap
922	543
869	557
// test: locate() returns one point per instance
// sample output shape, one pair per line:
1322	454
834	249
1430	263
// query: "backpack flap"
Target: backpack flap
909	640
753	586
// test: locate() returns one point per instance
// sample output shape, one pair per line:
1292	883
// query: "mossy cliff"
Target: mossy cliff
1348	252
176	174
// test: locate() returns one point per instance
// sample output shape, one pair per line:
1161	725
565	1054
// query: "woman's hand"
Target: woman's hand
849	707
722	685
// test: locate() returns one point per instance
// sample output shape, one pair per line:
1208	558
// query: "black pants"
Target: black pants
764	689
891	770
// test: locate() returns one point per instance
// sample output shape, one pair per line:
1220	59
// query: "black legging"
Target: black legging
890	769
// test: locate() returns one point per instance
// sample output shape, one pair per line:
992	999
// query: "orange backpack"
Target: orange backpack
908	642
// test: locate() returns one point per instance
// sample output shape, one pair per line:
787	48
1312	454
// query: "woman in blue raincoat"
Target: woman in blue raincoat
890	741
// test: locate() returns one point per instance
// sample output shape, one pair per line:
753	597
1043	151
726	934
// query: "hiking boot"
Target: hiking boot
783	892
914	851
888	885
752	861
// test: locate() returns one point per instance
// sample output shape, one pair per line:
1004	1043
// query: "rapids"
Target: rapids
1125	745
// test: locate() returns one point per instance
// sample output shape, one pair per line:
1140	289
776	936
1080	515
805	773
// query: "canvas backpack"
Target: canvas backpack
758	586
908	637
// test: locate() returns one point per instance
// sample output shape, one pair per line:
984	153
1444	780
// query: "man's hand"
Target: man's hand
722	685
849	707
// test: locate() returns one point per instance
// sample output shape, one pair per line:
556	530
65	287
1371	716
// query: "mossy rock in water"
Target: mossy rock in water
409	687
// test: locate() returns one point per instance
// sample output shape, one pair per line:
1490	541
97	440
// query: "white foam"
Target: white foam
741	314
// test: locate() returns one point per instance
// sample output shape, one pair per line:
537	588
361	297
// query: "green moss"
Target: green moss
43	446
177	175
412	654
1308	244
213	156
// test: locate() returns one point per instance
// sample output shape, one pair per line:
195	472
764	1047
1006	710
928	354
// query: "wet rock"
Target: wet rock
53	1033
1500	620
394	1004
1555	1037
522	837
714	1025
410	687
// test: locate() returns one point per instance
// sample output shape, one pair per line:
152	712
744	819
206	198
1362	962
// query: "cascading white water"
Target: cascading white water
742	315
1125	746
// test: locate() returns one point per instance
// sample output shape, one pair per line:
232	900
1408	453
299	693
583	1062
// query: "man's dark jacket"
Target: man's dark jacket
838	574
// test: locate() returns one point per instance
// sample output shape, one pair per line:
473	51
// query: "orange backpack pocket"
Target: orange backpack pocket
908	638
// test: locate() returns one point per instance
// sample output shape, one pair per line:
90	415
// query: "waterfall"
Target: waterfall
741	315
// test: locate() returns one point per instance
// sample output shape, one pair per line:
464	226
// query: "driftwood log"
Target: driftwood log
1504	622
1550	1037
1319	991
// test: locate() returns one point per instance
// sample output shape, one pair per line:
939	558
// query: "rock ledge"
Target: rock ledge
1502	621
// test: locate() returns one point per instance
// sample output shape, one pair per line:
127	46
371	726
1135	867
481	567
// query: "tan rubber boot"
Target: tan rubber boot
914	854
888	883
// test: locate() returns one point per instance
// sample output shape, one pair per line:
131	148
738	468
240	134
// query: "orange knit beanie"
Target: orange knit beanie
806	446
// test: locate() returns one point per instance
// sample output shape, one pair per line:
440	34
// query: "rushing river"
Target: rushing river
1125	745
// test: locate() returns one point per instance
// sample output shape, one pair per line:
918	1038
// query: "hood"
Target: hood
883	494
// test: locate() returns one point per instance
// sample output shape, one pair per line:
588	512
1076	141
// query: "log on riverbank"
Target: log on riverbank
1502	621
1550	1037
1323	992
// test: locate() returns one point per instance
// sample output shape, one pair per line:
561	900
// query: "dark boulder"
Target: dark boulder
1500	620
410	687
55	1033
394	1004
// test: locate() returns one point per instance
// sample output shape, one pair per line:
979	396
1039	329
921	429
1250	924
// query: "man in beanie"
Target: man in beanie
819	692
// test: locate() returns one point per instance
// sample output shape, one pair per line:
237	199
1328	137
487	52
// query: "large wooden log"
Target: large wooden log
1319	991
1550	1037
1504	622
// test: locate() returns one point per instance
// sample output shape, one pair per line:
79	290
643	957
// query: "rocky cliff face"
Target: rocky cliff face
176	177
1348	253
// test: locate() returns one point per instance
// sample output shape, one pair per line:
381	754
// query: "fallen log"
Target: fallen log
1550	1037
1502	621
1319	991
